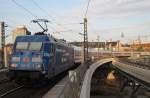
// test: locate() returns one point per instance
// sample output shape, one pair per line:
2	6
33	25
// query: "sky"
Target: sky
106	18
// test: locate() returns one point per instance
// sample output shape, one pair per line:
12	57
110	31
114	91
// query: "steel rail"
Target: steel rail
11	91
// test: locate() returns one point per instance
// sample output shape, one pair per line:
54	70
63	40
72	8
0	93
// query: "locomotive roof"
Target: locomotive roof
39	38
35	38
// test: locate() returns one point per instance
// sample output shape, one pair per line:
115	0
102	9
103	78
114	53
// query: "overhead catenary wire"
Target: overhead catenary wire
32	14
21	6
87	8
36	4
44	11
71	23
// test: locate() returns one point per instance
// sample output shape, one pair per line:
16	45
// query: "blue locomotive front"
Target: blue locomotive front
37	56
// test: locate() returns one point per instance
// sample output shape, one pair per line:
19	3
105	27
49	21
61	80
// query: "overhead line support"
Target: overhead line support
85	46
2	31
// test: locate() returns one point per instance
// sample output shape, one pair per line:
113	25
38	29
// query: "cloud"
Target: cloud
103	16
112	8
129	28
118	8
101	11
107	9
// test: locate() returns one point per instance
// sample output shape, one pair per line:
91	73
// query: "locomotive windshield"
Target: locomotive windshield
33	46
22	46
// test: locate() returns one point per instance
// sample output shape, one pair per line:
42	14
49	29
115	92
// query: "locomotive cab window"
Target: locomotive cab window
35	46
22	45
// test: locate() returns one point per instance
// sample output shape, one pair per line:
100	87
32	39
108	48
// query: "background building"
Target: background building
141	47
111	46
20	30
7	51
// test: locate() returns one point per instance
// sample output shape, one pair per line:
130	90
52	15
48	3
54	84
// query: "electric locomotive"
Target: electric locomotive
39	56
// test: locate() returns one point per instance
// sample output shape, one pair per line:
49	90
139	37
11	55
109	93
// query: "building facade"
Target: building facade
20	30
141	47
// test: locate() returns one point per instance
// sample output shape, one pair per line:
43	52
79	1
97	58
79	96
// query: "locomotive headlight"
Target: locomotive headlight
36	59
15	59
38	66
13	65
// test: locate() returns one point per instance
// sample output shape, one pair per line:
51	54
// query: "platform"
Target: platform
57	90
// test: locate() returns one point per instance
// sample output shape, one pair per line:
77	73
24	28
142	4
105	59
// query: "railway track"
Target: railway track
4	81
143	66
11	91
3	76
138	65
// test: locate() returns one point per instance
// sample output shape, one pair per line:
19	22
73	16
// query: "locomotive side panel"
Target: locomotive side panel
63	59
